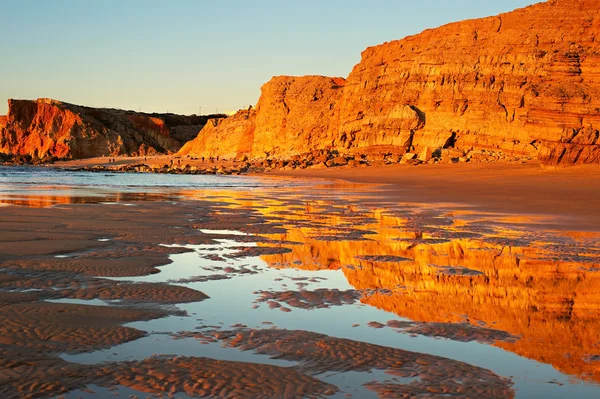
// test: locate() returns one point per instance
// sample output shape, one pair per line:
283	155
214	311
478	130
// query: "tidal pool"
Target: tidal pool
334	294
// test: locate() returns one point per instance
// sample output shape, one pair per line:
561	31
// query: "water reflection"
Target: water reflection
52	197
454	267
500	280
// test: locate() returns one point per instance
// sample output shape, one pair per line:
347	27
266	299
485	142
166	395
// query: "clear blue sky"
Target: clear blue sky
178	55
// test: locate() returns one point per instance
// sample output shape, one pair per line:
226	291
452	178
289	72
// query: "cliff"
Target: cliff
524	83
48	128
224	137
294	115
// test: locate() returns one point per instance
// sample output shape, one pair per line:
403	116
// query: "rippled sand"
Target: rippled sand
287	292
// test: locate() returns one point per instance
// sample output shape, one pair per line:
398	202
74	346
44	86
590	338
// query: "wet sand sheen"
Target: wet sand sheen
570	195
305	261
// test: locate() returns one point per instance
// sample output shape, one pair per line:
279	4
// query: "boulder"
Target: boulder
425	155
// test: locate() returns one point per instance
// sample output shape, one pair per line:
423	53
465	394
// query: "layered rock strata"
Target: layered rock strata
47	128
521	84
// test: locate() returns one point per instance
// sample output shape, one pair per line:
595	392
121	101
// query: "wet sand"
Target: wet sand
318	353
570	195
293	292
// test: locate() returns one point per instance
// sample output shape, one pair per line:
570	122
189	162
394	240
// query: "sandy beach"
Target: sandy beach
570	196
197	290
300	200
153	161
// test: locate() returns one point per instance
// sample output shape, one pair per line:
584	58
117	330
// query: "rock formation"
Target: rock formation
294	115
47	128
224	137
524	83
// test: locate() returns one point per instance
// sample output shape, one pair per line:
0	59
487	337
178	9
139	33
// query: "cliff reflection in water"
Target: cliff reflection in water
486	270
47	197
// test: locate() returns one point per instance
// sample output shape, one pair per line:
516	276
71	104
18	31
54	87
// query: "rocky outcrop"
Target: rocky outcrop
226	138
578	146
47	128
524	84
294	115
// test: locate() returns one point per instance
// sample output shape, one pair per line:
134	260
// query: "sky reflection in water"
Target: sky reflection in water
410	263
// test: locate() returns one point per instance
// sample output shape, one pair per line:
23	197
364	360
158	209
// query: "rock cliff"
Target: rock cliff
294	115
47	128
524	83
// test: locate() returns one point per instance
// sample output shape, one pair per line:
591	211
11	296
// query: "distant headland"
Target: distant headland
516	87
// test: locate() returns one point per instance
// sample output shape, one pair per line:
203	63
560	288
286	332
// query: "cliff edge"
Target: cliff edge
523	84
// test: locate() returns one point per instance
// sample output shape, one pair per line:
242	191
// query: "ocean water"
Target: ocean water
22	185
30	177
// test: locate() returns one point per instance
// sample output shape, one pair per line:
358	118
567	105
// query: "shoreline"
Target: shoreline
68	265
569	195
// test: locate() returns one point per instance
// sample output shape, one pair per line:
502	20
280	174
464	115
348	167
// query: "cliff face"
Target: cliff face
227	138
521	83
47	128
516	82
294	115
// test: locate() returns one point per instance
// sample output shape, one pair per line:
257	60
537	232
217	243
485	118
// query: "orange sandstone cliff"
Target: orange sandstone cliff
48	128
293	115
524	83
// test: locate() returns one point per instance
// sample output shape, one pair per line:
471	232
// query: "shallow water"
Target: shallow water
499	292
232	302
43	186
35	177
